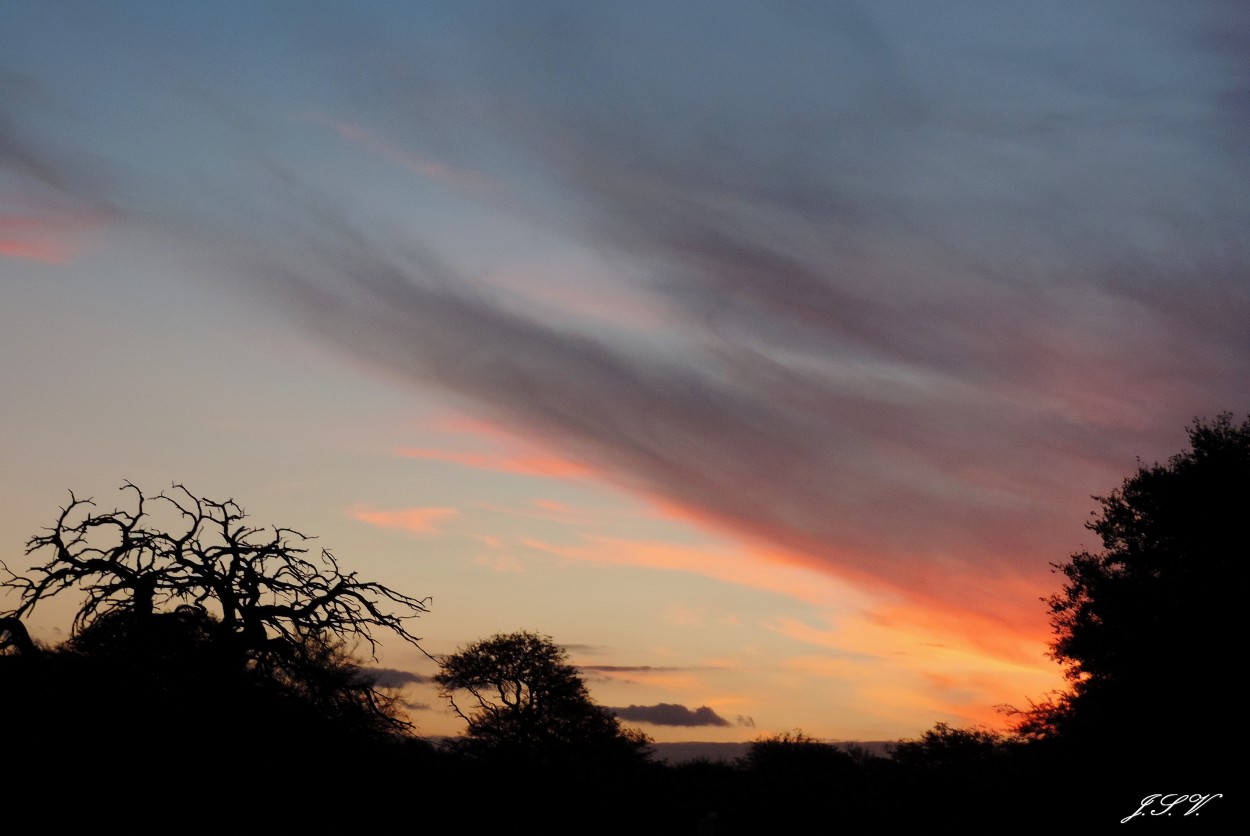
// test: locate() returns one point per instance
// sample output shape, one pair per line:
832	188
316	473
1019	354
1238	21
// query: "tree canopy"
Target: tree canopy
1148	626
525	700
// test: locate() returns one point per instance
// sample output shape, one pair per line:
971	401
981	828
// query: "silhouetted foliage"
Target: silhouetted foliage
198	625
945	746
1148	626
526	702
795	754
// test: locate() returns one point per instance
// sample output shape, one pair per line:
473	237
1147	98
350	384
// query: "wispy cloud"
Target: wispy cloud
416	520
52	238
949	670
371	141
763	569
528	465
33	251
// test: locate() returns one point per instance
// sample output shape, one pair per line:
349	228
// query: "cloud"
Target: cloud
529	465
393	678
784	573
472	181
669	714
416	520
32	251
53	237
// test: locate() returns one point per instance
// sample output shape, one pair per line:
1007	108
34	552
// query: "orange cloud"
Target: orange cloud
758	569
419	520
1023	641
925	672
497	556
951	597
536	464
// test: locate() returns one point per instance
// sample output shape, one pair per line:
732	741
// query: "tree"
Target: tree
797	757
525	701
1149	627
948	747
182	593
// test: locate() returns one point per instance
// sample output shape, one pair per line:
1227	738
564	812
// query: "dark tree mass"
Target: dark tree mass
197	631
1149	626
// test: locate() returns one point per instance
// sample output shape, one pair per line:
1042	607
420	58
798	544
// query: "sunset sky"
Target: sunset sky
765	355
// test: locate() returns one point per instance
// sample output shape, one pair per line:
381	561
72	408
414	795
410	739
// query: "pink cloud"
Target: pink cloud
460	178
43	239
47	253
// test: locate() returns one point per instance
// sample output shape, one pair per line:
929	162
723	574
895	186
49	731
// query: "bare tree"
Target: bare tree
261	596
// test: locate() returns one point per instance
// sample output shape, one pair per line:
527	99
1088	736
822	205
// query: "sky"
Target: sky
764	355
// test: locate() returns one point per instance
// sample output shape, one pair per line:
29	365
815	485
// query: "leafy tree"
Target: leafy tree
525	701
193	618
1149	626
795	755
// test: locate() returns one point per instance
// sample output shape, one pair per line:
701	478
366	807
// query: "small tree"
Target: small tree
526	701
208	594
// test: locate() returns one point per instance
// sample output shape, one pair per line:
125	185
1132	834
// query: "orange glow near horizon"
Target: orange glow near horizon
939	661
